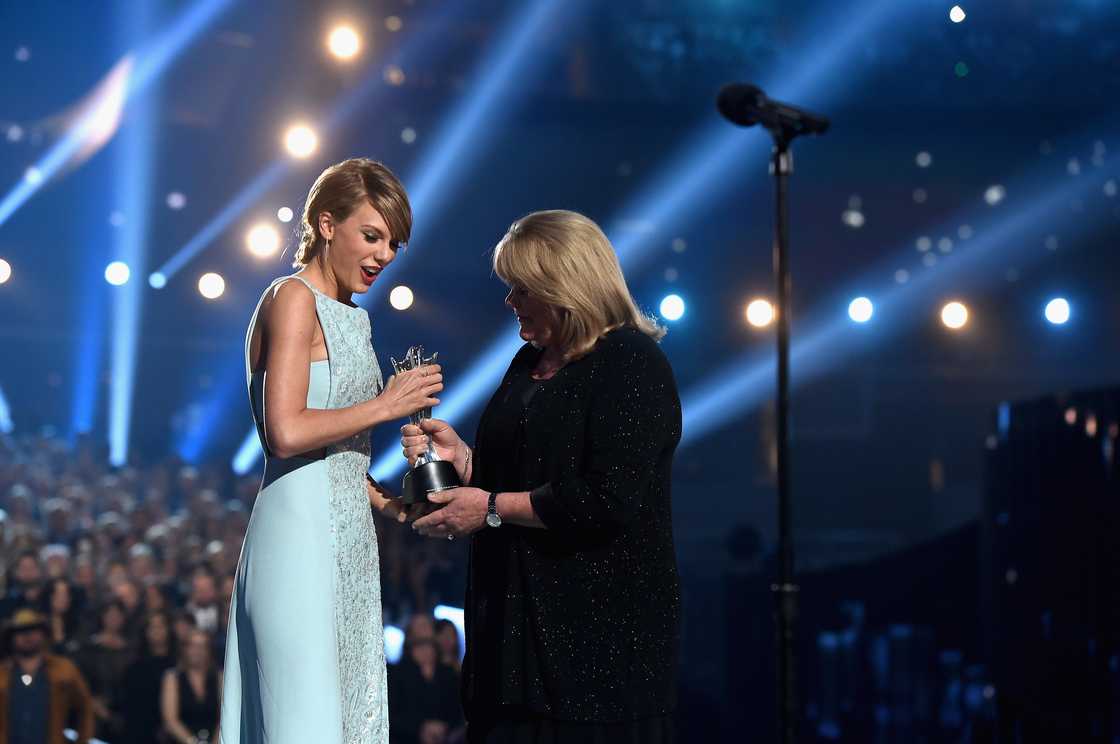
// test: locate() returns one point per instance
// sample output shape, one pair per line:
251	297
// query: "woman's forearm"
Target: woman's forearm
517	508
315	428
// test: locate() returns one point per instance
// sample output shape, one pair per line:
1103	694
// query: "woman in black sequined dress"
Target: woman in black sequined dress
573	599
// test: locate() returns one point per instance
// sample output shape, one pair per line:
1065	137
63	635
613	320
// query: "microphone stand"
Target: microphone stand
746	105
784	590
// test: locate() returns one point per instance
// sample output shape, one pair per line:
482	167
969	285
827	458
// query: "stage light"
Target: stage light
284	214
401	298
300	140
954	315
14	133
961	69
1057	311
344	42
117	273
211	285
1110	188
671	274
23	54
923	244
176	200
33	176
1073	167
852	218
994	194
964	232
923	159
901	276
760	313
679	245
945	245
263	240
672	307
157	280
394	23
860	309
98	114
394	643
394	75
5	271
956	14
249	451
408	135
920	196
6	426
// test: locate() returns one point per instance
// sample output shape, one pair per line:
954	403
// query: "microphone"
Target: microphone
746	105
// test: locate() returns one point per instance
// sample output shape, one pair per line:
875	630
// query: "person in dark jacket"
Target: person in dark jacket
572	606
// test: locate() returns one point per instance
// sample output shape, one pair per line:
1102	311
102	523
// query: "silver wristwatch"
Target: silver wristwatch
493	519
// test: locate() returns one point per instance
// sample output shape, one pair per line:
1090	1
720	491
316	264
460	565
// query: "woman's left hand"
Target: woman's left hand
463	513
385	502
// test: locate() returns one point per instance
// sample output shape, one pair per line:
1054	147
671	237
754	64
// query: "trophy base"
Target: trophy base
431	477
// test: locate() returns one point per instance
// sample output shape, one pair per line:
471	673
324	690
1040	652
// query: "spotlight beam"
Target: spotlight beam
463	137
280	169
133	188
141	68
711	157
828	339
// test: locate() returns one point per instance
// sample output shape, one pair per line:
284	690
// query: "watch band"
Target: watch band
493	519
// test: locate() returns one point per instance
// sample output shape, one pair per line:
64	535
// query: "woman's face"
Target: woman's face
535	316
154	599
157	631
448	639
60	597
360	248
112	619
198	650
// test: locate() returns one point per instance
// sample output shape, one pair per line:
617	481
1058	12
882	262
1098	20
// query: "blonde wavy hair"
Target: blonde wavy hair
563	259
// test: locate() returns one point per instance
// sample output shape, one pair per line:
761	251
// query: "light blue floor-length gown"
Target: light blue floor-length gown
305	660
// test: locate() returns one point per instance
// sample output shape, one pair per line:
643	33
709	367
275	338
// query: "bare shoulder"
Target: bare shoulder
290	305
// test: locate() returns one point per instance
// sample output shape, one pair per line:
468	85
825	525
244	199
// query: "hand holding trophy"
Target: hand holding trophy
429	473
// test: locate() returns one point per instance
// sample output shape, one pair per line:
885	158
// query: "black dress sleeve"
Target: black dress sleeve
634	416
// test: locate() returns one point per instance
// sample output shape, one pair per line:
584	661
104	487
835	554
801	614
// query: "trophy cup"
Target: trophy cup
429	473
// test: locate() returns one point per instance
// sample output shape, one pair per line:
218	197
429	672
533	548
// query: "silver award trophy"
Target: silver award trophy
429	473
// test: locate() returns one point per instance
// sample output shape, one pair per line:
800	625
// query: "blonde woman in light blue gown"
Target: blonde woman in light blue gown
305	657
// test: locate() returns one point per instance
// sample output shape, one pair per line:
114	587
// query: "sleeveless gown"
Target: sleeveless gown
305	656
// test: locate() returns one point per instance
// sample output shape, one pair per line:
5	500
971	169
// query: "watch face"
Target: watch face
493	520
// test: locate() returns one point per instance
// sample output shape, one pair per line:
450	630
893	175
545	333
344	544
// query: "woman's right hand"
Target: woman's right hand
408	392
446	442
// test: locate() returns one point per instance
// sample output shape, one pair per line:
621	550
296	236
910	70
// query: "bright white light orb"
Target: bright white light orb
284	214
1057	311
672	307
5	271
954	315
300	140
760	313
157	280
117	273
263	240
860	309
957	14
344	42
211	285
401	298
994	194
176	200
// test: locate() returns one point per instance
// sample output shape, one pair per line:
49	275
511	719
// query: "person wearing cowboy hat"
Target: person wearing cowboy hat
40	693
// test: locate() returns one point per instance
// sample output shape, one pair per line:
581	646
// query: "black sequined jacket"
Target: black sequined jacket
579	621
